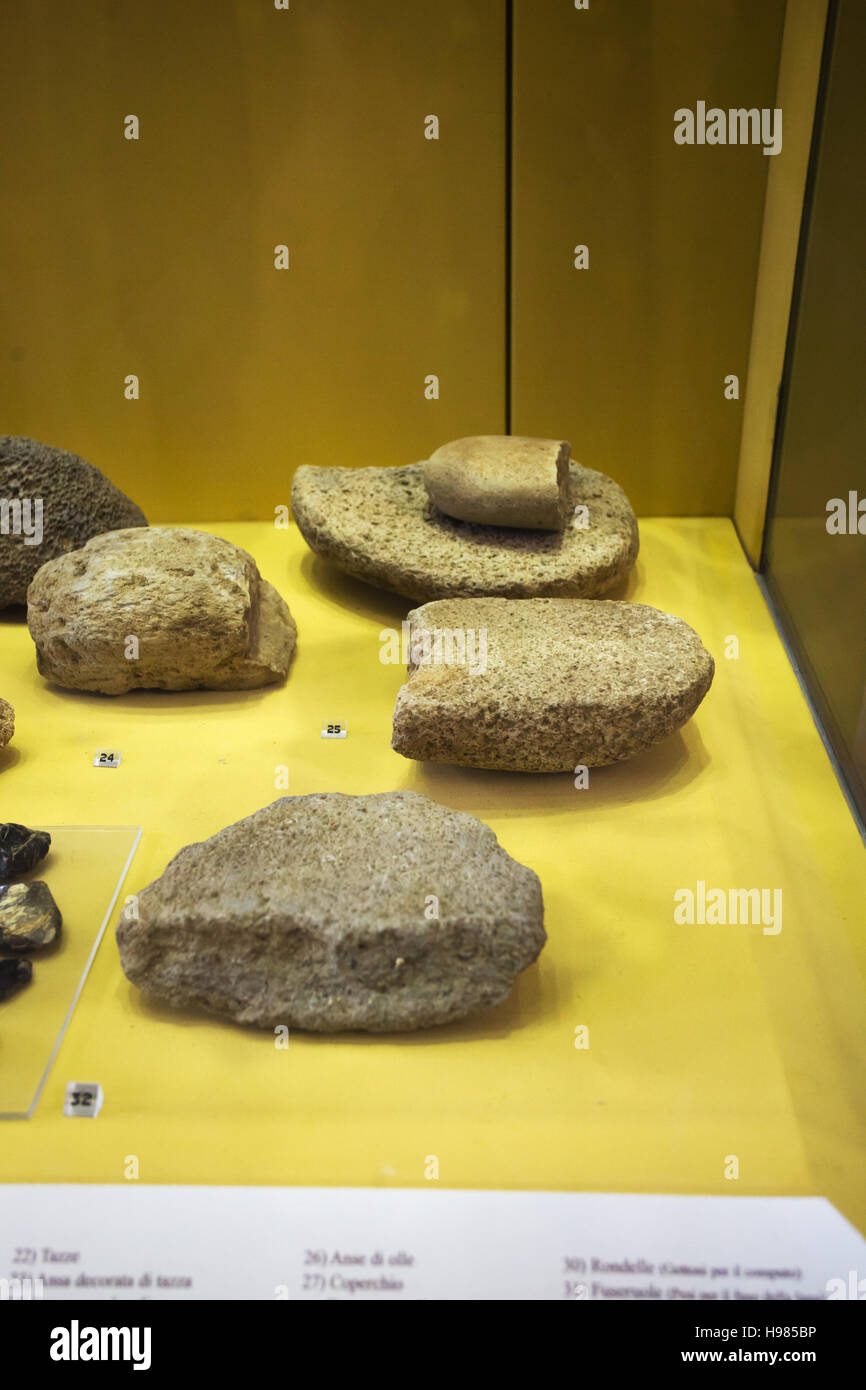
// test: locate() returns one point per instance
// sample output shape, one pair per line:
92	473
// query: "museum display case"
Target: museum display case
446	700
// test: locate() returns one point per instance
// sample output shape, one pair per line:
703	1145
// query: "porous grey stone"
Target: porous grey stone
502	480
380	525
330	912
7	722
29	916
158	608
545	685
77	502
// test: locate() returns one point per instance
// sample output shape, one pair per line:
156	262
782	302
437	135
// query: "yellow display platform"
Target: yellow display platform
706	1043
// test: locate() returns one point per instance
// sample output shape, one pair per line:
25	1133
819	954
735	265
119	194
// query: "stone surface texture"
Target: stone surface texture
201	614
564	682
77	502
21	849
314	913
29	916
7	722
380	525
502	480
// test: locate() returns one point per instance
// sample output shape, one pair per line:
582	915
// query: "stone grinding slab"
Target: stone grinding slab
380	525
330	912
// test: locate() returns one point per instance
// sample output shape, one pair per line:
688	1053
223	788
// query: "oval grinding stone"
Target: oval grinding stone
331	912
545	685
379	524
502	480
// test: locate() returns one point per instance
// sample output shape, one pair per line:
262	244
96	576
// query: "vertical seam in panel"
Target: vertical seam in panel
509	153
797	287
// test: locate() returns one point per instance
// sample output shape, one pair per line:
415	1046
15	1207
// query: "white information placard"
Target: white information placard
152	1242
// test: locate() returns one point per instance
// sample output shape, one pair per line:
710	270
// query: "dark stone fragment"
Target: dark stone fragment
29	916
14	974
20	849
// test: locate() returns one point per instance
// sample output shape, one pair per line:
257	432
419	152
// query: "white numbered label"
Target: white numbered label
335	730
83	1099
107	757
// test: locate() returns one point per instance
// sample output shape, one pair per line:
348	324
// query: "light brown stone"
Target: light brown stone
502	480
380	525
201	615
77	502
7	722
545	685
318	913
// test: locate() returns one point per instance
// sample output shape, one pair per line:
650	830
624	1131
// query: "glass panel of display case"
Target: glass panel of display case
84	869
816	539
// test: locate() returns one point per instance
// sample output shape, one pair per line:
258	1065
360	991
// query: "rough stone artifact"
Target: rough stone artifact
55	502
14	974
29	916
7	722
331	912
21	849
502	480
545	685
380	525
158	608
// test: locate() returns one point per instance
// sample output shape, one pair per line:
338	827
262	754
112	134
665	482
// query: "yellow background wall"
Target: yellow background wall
628	358
306	127
155	257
